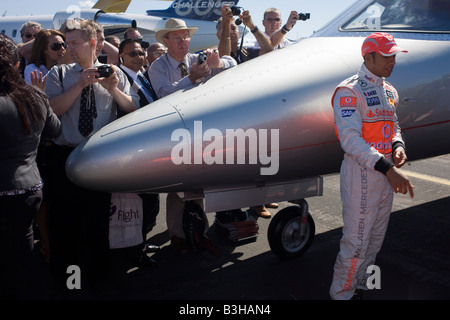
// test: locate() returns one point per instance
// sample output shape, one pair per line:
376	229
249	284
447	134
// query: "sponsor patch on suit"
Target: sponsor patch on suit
347	113
346	102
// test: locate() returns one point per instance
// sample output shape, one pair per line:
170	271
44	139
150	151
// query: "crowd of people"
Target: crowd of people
64	102
53	97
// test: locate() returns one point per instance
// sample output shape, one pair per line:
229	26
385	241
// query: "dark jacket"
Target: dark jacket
18	149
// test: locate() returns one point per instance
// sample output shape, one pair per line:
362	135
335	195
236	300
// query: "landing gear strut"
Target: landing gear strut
291	231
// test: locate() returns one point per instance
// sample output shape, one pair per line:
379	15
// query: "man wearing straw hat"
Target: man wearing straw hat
176	70
179	69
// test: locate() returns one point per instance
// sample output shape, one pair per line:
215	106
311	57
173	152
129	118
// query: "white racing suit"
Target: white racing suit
367	126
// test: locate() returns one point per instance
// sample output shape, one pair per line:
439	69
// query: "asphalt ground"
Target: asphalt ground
414	261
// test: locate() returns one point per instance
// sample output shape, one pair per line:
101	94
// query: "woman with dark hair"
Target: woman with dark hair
49	48
25	114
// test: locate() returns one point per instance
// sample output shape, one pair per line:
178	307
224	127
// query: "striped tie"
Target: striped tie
184	70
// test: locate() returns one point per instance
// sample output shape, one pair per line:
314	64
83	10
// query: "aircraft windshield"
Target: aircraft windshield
402	15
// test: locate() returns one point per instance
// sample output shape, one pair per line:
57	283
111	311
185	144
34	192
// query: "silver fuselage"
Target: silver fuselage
287	90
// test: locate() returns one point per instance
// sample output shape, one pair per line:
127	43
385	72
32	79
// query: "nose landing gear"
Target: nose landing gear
291	230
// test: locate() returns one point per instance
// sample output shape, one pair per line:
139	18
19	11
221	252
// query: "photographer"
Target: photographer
106	52
134	34
84	95
179	69
273	29
278	38
228	34
176	70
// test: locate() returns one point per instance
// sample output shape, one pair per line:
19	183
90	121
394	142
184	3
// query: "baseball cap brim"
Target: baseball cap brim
392	51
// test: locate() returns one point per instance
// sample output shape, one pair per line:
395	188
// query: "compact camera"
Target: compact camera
201	58
105	71
144	44
236	12
304	16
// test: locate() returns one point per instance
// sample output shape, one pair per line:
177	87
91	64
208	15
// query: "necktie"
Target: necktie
88	111
184	70
147	87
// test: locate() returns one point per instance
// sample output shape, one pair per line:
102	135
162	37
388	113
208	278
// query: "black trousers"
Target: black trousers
78	224
21	273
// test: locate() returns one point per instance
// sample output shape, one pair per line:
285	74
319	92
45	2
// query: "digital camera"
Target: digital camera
201	58
304	16
236	10
105	71
144	44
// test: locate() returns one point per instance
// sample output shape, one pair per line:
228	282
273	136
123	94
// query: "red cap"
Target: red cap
382	43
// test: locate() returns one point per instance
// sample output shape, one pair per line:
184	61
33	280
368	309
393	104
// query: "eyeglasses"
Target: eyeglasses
159	53
178	38
135	53
57	46
29	35
273	19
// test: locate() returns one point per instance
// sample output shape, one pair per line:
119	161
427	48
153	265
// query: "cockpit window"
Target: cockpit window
402	15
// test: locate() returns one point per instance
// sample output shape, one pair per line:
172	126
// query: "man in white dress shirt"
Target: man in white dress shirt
176	70
166	74
132	60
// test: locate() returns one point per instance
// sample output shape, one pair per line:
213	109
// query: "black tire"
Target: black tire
284	233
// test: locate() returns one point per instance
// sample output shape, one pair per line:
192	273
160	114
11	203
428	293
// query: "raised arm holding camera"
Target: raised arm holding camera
274	30
278	38
228	34
82	48
179	69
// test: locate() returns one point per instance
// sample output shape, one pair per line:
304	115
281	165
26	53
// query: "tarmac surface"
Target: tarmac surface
414	260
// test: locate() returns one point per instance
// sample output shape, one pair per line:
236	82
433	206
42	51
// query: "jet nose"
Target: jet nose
130	153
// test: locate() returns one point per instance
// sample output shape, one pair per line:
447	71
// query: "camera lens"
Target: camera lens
235	10
104	71
144	44
201	58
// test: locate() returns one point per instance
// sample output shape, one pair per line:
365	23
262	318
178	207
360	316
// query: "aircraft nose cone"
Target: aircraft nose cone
130	153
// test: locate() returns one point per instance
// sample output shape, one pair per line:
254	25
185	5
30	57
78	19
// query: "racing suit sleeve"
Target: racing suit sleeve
397	140
347	115
383	165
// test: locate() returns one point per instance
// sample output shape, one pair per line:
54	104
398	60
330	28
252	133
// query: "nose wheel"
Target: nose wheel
291	231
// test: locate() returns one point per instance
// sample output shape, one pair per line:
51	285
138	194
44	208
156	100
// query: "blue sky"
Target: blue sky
321	11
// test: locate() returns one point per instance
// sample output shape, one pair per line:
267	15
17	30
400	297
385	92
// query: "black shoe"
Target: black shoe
146	261
150	248
358	295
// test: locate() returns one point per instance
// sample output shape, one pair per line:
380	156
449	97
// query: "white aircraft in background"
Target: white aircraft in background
284	94
110	13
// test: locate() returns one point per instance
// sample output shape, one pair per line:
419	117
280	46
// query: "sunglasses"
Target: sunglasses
57	46
273	19
135	53
29	35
